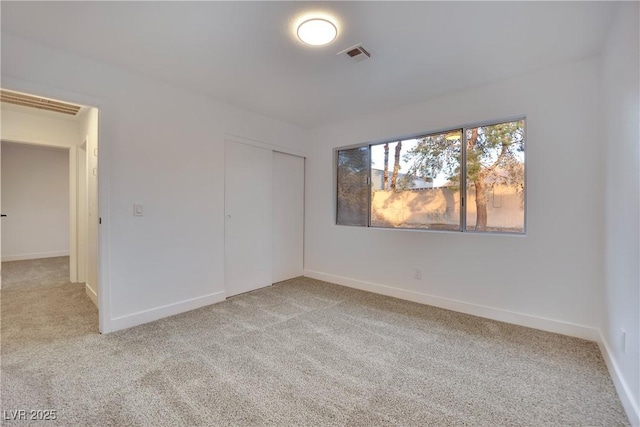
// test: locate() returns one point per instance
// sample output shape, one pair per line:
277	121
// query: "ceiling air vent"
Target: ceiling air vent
37	102
356	52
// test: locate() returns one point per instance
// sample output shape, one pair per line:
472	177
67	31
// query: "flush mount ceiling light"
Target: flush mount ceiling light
317	31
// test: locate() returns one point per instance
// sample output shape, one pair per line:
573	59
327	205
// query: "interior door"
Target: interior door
288	216
248	214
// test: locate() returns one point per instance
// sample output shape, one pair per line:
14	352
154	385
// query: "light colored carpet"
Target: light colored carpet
35	273
302	352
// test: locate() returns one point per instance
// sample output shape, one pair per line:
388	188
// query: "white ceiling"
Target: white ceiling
245	53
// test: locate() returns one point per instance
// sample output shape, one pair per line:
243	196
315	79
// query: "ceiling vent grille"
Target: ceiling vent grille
37	102
356	52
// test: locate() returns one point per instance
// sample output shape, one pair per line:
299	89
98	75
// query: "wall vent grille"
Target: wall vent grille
357	52
37	102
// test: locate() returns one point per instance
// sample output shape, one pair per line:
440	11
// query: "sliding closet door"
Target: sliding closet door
248	247
288	216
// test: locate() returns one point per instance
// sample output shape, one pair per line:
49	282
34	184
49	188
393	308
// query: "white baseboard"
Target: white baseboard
150	315
628	403
36	255
91	294
535	322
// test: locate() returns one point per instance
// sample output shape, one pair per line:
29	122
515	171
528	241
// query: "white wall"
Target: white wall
35	198
162	147
550	278
620	146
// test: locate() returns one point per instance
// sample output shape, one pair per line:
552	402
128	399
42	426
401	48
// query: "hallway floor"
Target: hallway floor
38	302
35	273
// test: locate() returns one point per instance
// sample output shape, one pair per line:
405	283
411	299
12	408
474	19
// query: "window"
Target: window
353	188
495	177
432	182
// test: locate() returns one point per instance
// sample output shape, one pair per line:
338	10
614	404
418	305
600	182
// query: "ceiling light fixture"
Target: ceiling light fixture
317	31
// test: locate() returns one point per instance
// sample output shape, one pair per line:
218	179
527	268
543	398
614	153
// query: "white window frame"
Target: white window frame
463	178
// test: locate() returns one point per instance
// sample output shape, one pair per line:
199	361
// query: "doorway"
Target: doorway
49	195
35	199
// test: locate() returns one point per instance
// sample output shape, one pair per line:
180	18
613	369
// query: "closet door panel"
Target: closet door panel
248	218
288	216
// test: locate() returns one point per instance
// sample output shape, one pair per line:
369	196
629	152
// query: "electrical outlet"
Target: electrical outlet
623	340
417	274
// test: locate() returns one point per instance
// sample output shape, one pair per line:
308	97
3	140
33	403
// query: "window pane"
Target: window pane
495	177
353	171
416	182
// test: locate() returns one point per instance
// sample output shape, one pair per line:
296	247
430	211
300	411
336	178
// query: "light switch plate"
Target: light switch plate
138	209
